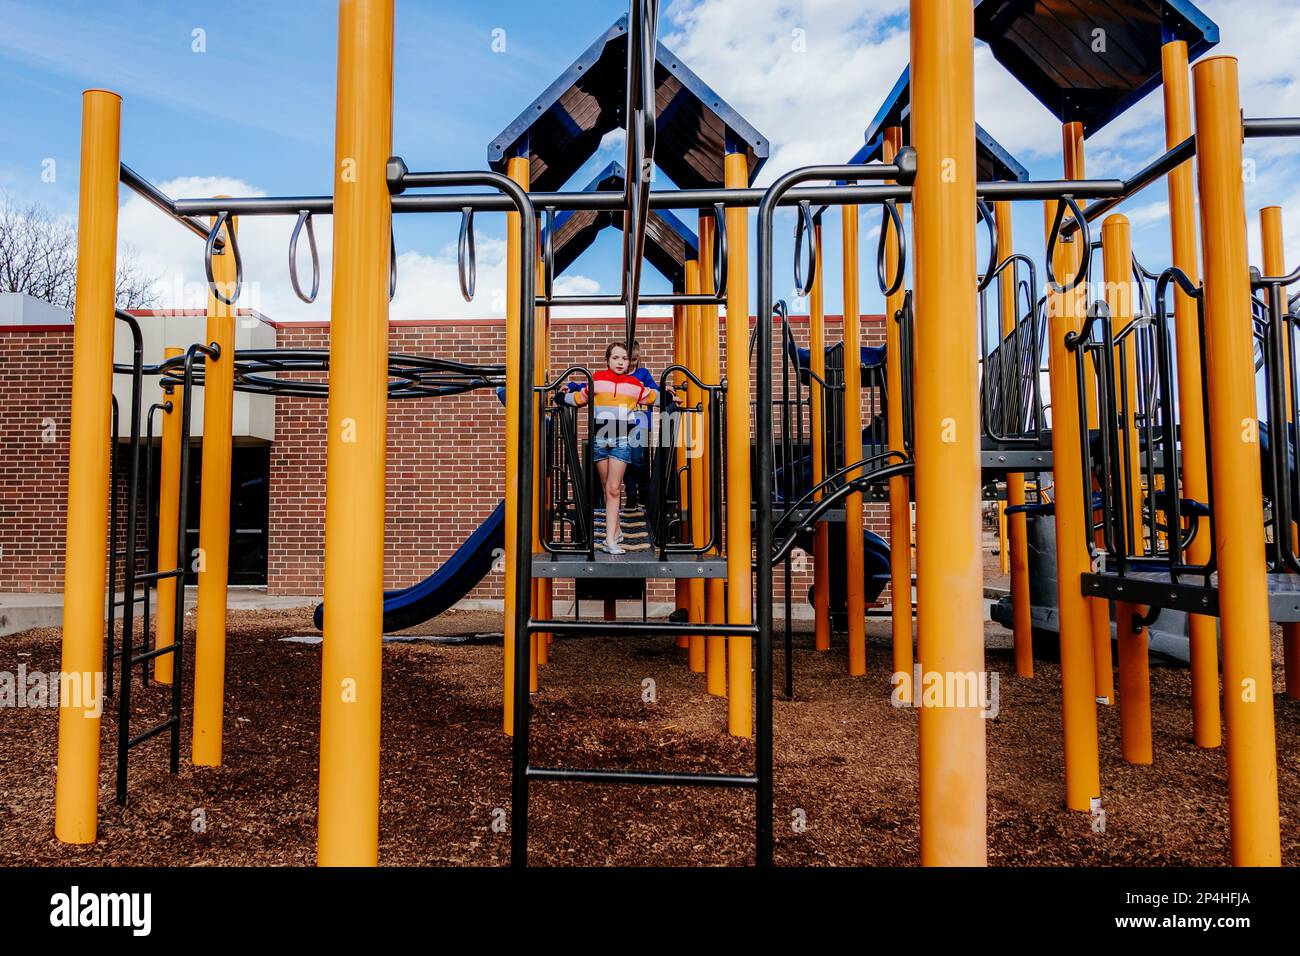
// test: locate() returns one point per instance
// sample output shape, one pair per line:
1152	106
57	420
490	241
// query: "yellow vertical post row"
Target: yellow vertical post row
1078	677
696	449
682	595
740	556
85	577
817	428
950	587
357	441
1203	636
169	502
1134	674
214	513
1270	222
900	498
1098	609
516	169
855	588
715	589
1234	452
1017	525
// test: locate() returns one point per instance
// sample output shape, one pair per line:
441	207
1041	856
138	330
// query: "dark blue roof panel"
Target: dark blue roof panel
1088	61
993	162
669	244
563	127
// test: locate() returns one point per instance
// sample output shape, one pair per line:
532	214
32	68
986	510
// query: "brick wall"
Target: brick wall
445	468
35	407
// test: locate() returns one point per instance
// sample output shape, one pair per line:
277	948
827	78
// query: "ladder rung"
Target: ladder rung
148	576
650	777
150	655
640	629
152	732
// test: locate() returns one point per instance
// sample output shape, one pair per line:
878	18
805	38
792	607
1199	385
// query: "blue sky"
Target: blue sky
254	113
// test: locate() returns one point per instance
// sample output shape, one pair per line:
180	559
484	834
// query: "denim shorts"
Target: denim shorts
619	447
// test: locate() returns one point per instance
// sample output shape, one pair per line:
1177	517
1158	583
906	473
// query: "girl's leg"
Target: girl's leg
613	479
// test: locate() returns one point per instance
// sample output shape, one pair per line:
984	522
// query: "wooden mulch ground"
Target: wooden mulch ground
845	764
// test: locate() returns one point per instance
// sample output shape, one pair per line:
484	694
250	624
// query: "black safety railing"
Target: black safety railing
570	489
679	449
1011	400
130	654
1278	432
1133	458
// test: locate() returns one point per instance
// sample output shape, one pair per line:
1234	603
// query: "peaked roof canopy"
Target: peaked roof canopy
669	242
563	127
993	163
1089	60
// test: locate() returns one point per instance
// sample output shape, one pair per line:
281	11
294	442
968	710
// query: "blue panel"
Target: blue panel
993	162
562	129
670	243
1088	61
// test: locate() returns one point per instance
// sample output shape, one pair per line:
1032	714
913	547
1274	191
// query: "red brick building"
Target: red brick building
445	462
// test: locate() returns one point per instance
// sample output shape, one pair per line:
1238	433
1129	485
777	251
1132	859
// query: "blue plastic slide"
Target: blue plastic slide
467	566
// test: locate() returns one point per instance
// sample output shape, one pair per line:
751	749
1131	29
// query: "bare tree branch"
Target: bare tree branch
38	256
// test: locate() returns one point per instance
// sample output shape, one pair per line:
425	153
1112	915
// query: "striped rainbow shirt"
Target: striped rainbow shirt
618	397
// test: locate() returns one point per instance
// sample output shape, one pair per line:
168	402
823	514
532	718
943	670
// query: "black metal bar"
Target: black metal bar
113	553
1274	126
129	568
152	194
638	629
154	576
608	301
172	723
648	777
152	653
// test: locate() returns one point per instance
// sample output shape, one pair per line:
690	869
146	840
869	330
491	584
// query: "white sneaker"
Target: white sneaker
611	547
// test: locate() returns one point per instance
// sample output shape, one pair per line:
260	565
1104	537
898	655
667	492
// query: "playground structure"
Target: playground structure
1155	462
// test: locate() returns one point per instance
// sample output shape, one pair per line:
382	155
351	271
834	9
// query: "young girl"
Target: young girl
618	397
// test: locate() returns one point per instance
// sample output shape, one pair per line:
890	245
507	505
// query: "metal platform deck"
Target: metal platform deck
634	564
1155	588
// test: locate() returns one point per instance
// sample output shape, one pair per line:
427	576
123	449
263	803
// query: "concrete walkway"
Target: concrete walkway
20	611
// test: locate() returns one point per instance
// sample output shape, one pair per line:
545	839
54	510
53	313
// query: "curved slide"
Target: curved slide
466	567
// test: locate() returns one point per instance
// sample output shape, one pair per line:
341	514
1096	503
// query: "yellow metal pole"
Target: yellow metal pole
1017	525
1203	632
1234	451
1078	678
1270	221
740	587
214	514
169	502
1134	666
715	589
681	356
516	169
855	590
1117	258
1004	560
950	587
1098	610
356	449
817	426
85	577
697	448
900	498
